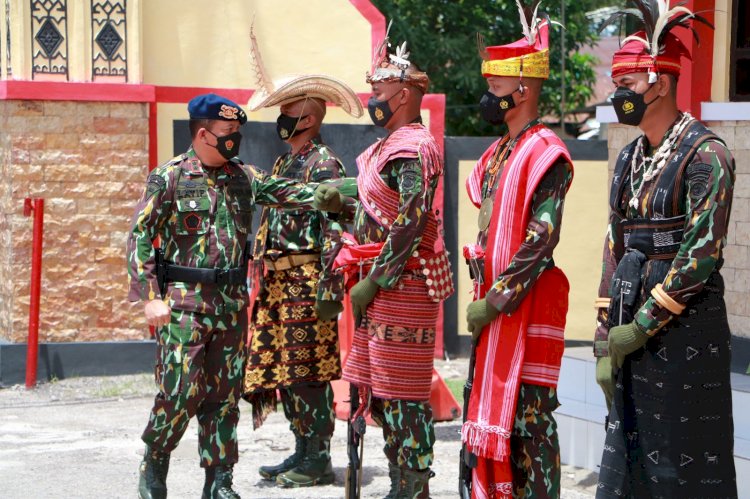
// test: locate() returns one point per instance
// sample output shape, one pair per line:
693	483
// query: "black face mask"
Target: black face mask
286	126
630	106
493	108
380	110
227	145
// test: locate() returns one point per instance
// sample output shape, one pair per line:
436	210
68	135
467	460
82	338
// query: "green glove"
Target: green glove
328	198
328	309
624	340
361	295
479	314
605	378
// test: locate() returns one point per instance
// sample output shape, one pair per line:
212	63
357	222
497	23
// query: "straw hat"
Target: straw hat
293	88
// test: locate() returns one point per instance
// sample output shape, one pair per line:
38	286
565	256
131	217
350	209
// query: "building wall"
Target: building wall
6	187
88	161
736	270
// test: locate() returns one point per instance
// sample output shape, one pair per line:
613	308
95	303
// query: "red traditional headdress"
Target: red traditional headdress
654	49
393	67
528	57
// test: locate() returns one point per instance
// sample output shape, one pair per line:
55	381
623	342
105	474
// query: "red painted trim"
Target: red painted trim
153	135
177	95
694	85
52	90
376	19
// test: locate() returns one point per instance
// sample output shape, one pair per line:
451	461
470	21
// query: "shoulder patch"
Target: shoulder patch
155	184
698	177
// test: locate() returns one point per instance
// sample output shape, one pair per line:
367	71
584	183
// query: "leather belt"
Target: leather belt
287	262
221	277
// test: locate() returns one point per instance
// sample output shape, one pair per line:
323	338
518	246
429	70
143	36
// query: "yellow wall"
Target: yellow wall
579	253
722	44
205	43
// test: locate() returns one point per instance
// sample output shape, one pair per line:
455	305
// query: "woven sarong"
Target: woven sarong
393	348
670	428
289	344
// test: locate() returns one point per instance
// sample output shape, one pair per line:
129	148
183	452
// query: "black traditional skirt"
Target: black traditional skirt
670	429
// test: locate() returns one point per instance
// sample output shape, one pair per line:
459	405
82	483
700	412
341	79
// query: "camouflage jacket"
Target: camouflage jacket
301	229
416	196
707	186
203	218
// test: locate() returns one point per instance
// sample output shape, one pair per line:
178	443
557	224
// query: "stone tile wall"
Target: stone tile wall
88	161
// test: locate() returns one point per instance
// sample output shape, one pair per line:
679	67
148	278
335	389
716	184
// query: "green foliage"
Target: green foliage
441	35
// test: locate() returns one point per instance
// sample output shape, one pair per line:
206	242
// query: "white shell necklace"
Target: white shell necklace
653	165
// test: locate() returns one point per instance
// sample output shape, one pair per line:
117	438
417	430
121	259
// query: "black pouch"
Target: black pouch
625	288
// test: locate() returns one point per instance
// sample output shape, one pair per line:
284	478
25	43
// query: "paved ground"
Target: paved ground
79	438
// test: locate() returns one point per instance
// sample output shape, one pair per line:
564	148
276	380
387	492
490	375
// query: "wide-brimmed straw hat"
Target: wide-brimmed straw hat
293	88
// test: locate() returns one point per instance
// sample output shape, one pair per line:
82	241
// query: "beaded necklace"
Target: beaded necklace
652	166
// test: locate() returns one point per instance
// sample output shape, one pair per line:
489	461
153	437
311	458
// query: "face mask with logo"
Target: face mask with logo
286	126
493	108
380	110
227	145
630	106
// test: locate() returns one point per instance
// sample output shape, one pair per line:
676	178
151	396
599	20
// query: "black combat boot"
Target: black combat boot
218	483
314	468
271	472
394	473
152	482
414	484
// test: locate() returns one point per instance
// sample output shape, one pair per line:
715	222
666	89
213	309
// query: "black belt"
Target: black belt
658	239
222	277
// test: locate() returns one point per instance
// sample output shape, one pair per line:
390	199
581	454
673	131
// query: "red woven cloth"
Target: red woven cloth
502	346
634	57
392	350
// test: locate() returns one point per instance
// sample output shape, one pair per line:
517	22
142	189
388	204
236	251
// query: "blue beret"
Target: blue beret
215	107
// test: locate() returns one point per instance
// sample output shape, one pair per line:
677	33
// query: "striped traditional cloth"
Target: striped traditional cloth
380	202
392	350
502	351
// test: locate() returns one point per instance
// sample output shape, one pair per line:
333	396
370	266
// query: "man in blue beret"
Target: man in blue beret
199	205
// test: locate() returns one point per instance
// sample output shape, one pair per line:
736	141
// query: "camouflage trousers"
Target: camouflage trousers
408	430
534	447
309	409
199	369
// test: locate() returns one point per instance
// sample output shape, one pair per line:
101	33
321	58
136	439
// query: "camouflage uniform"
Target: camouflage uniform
535	450
408	426
203	218
534	446
670	428
290	349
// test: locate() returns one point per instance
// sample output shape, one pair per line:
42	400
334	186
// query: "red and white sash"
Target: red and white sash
501	350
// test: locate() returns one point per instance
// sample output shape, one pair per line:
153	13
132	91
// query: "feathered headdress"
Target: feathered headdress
292	88
393	66
654	49
528	56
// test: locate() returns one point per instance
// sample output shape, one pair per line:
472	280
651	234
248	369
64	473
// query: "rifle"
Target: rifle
467	460
355	446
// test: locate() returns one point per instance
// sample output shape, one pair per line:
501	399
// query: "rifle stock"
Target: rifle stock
353	468
467	461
